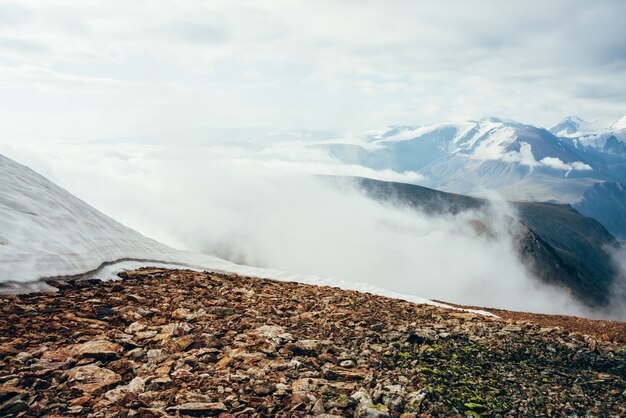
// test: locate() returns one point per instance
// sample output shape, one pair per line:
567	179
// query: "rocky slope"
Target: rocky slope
173	342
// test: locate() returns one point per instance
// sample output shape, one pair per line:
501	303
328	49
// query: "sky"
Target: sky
76	71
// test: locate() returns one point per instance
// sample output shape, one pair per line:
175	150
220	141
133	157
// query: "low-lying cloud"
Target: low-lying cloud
272	213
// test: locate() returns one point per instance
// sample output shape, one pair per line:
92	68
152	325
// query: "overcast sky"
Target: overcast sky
78	70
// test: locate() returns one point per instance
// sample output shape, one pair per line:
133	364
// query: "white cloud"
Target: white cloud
494	148
524	156
577	165
240	205
326	65
555	163
558	164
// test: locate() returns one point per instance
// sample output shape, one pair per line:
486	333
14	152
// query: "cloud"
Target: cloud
328	65
12	14
494	148
558	164
198	32
617	305
23	46
555	163
265	211
577	165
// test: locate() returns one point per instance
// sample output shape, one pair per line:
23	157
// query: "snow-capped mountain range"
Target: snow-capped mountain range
566	163
610	139
575	127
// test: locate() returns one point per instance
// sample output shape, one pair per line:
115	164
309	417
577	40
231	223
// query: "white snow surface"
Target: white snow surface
593	134
46	232
577	127
620	124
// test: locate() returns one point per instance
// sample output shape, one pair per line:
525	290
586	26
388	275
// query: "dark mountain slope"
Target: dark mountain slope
558	244
606	202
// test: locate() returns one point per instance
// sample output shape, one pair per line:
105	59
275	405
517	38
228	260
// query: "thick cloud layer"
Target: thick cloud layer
96	69
266	212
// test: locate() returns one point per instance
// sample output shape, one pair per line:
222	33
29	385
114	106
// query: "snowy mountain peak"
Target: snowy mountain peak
593	134
574	126
569	126
457	130
502	121
619	124
472	142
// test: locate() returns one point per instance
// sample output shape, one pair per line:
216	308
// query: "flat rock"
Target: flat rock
198	407
99	349
91	378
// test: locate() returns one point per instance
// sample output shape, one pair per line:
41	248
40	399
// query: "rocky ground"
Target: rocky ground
175	343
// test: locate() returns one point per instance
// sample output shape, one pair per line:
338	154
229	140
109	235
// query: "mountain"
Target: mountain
568	126
619	125
460	157
574	126
584	135
555	242
605	149
606	202
519	161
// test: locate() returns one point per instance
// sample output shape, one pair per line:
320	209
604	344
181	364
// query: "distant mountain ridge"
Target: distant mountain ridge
519	161
574	125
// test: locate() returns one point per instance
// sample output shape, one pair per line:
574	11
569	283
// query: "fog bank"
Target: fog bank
267	210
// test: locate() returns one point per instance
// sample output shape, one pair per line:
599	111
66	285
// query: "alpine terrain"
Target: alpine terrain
574	162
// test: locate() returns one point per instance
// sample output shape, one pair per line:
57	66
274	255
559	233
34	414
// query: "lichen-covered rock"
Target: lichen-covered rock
367	408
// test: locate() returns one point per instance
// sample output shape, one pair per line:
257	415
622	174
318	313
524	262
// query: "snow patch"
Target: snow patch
494	148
